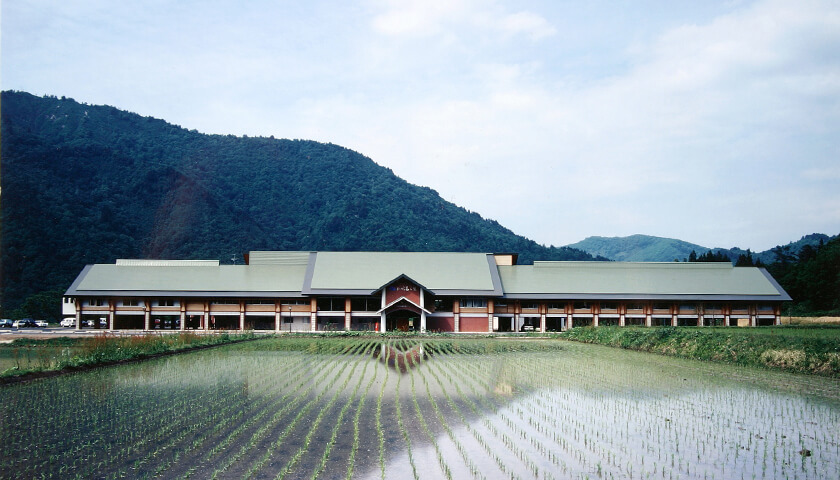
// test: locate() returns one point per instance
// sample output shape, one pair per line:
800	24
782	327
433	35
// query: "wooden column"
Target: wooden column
78	313
183	314
313	315
570	323
111	314
422	311
456	314
347	315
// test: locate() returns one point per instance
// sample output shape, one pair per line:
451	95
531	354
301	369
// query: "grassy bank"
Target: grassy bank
30	357
812	350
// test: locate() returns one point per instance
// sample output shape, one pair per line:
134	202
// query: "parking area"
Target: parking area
9	334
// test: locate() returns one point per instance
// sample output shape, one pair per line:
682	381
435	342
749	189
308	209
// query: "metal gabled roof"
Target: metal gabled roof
366	272
638	280
295	274
205	280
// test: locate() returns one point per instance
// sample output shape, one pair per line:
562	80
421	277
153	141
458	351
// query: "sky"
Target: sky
715	122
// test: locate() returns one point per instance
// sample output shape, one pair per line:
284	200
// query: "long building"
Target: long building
417	291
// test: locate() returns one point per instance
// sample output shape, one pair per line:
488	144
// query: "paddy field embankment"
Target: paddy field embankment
805	348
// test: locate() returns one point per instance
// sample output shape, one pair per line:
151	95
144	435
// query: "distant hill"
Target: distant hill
88	184
646	248
638	248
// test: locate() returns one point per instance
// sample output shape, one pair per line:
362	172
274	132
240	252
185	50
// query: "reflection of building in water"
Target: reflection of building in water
503	376
416	291
400	357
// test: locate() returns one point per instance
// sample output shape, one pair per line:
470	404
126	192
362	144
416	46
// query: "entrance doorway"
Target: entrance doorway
403	321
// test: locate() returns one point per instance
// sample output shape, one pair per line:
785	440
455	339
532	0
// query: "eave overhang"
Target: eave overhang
401	299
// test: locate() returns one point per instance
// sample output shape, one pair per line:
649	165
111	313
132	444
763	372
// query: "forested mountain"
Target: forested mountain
811	277
638	248
88	184
646	248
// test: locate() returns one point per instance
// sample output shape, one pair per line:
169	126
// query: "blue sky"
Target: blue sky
714	122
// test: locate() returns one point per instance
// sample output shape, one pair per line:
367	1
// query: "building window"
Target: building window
500	303
261	301
131	302
443	304
582	305
687	307
96	302
295	301
530	305
556	306
609	306
662	306
331	304
224	301
365	304
635	306
473	302
167	302
764	308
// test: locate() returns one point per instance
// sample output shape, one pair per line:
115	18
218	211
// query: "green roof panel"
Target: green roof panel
627	278
372	270
223	278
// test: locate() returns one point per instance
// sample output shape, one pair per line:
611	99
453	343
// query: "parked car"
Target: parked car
24	322
68	322
42	323
6	323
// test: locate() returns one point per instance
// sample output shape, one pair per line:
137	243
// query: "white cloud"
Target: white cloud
527	23
420	18
416	17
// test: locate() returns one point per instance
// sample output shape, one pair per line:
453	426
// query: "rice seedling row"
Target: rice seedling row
473	468
229	429
292	465
351	462
254	445
498	457
334	433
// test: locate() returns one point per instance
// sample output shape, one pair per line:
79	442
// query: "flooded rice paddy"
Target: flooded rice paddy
354	408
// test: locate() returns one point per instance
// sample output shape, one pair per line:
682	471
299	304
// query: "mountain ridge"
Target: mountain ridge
649	248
